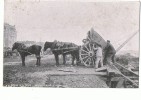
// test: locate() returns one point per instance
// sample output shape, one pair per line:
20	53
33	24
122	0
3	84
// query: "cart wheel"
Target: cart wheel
87	55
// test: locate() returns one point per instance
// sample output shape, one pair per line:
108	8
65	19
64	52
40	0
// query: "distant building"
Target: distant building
10	35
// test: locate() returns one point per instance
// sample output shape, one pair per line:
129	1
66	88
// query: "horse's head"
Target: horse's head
15	46
47	45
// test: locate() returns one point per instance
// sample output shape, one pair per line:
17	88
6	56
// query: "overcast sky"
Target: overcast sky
70	21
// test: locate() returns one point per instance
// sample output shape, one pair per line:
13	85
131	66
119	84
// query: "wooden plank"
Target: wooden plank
126	69
133	77
110	70
67	73
110	75
126	77
126	41
71	71
116	79
101	69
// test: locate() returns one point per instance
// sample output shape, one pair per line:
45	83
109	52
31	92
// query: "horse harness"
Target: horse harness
60	46
25	49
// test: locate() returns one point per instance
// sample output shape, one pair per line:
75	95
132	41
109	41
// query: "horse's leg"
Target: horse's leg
77	59
73	58
57	59
23	60
39	61
38	58
11	53
64	60
36	61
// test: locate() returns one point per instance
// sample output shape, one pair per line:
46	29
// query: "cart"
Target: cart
86	52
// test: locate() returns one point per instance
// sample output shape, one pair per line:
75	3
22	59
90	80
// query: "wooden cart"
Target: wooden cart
87	53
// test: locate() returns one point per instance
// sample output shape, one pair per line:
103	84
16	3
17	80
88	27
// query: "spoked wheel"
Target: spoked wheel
87	55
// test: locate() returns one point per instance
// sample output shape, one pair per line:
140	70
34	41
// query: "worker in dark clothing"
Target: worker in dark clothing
109	53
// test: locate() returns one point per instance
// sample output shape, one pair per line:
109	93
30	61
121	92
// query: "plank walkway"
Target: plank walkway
58	71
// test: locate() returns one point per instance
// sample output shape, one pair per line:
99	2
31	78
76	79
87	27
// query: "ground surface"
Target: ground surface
47	75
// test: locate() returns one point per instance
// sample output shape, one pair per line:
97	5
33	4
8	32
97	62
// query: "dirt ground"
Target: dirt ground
47	75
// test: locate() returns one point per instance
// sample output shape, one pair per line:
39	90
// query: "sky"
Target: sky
70	21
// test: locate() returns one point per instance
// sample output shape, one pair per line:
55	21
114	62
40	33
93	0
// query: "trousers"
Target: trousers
98	60
110	58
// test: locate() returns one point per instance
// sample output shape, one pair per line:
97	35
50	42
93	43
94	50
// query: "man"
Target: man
99	57
110	52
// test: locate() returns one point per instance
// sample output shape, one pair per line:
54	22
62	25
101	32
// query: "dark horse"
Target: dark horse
25	51
58	48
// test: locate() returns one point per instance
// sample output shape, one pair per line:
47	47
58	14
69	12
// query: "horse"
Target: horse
63	48
25	51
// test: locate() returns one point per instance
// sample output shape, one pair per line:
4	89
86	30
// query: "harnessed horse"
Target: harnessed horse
25	51
58	49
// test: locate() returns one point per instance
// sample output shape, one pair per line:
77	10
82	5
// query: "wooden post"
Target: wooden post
120	83
110	75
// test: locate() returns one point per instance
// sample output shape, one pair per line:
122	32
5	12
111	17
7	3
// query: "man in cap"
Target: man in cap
109	53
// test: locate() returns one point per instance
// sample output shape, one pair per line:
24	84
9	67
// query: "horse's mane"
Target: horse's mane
21	45
58	44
